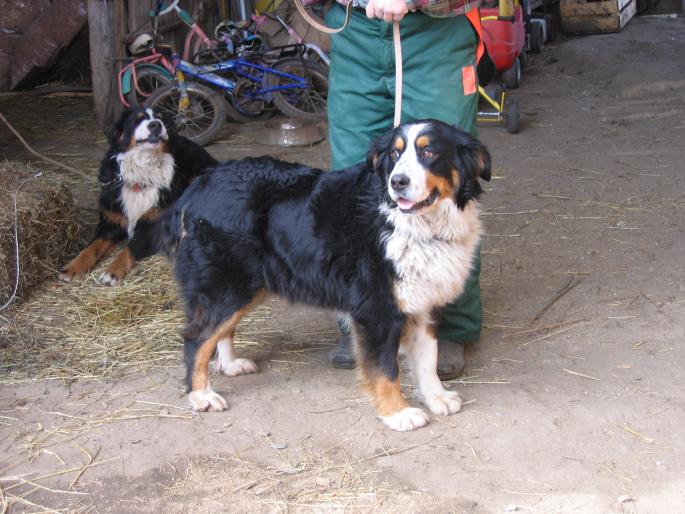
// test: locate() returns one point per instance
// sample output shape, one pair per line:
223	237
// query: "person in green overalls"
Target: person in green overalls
439	65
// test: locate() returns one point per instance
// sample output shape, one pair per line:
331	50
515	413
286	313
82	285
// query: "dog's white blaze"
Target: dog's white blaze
432	253
142	131
150	168
421	349
408	164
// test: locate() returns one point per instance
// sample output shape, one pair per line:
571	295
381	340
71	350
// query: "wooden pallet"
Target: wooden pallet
586	17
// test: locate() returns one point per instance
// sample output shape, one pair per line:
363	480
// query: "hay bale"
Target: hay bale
49	228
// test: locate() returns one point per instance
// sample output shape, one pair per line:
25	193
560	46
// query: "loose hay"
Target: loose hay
49	230
86	330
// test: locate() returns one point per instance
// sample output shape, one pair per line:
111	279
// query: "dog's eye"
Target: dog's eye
427	153
395	154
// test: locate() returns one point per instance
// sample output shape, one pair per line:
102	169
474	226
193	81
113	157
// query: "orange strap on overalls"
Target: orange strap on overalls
474	18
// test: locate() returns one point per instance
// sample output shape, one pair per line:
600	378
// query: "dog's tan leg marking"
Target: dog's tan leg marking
389	401
87	259
202	397
421	347
117	271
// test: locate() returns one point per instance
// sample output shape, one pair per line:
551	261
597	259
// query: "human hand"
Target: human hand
387	10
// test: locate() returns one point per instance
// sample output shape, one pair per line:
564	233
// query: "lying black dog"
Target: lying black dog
145	170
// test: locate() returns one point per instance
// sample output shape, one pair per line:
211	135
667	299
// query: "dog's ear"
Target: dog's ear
378	157
117	130
473	161
474	157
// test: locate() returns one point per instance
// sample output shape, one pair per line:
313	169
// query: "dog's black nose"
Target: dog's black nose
399	182
155	126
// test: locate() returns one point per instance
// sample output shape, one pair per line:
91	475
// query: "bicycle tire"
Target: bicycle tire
204	118
309	103
242	108
240	116
149	78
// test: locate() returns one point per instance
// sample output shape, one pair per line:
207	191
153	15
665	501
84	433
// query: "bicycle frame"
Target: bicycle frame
127	78
259	20
250	70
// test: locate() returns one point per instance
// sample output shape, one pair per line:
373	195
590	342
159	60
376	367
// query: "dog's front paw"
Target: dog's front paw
443	404
108	279
69	273
407	419
207	400
236	367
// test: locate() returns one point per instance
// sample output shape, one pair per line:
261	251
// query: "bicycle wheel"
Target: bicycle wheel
299	102
244	104
149	77
202	120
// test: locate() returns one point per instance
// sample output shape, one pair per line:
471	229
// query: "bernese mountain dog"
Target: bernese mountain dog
387	242
145	170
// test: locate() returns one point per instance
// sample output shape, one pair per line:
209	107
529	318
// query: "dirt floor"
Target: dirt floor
574	393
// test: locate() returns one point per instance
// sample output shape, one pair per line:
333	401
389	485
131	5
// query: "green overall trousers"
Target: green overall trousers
436	54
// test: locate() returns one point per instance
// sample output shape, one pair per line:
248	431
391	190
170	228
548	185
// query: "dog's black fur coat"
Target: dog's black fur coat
304	234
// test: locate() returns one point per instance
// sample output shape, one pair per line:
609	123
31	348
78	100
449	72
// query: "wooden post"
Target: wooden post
107	23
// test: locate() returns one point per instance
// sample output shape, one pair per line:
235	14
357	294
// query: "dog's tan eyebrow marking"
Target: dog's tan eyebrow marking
399	143
422	142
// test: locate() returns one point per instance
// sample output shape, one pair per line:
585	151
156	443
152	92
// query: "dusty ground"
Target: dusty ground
574	391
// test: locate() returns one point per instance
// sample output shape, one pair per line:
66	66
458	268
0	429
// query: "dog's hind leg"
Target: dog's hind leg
202	397
420	344
376	352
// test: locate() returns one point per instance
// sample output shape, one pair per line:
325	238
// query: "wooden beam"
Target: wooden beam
107	22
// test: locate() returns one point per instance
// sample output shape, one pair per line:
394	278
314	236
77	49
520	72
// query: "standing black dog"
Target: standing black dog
389	242
145	170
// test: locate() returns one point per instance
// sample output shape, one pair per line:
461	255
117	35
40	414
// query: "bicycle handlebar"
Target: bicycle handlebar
166	10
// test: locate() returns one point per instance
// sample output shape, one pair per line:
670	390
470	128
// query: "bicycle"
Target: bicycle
298	88
252	81
151	70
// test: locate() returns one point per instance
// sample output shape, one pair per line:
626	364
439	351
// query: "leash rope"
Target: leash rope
398	73
396	43
320	26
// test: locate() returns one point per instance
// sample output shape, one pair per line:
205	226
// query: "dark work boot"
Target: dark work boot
450	359
341	355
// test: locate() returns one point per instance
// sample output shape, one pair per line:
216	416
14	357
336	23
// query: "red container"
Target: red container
504	39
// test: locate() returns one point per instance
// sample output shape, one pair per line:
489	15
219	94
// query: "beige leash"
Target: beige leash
396	42
398	72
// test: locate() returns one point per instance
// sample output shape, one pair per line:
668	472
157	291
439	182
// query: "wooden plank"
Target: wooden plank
106	24
580	17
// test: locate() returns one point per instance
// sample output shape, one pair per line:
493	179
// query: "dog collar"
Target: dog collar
137	187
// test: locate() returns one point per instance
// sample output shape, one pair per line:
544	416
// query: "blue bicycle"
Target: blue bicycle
298	87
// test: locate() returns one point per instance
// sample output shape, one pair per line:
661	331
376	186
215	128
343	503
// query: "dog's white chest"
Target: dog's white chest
432	255
144	173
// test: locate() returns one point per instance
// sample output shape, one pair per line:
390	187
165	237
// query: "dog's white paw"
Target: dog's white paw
207	400
236	367
66	277
443	404
107	279
407	419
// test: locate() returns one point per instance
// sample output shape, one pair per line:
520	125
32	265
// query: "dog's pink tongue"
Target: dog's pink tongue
405	204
